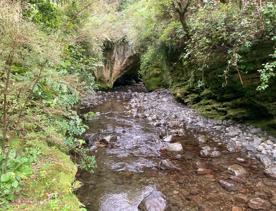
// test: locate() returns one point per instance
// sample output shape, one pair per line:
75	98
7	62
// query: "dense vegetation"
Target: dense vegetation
45	69
216	56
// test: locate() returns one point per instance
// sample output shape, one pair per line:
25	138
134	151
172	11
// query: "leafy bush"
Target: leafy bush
40	82
15	167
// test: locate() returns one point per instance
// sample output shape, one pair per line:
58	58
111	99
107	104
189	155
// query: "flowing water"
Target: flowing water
134	164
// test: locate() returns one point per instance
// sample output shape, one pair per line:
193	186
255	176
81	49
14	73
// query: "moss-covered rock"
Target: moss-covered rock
50	186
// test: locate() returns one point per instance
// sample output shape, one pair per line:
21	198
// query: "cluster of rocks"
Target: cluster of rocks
148	199
98	98
173	119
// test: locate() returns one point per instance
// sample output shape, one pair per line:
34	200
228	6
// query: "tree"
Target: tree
181	7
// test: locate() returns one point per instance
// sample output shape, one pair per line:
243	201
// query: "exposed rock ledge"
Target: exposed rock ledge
120	59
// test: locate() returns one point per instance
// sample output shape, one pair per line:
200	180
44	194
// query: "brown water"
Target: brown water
132	162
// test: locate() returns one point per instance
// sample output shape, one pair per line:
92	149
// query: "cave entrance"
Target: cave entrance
130	76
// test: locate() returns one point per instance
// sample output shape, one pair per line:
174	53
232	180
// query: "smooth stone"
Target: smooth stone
265	160
167	165
117	202
174	147
242	160
215	154
259	204
178	156
228	186
93	148
155	202
202	139
205	152
237	170
271	171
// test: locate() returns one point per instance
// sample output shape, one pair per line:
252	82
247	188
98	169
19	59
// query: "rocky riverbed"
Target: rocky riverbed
156	154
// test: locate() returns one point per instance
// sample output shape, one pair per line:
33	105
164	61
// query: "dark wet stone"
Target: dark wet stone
259	204
194	191
242	198
228	186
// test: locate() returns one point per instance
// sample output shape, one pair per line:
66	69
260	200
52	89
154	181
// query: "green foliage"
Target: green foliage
87	161
221	29
15	167
267	73
79	61
89	116
269	69
44	13
41	79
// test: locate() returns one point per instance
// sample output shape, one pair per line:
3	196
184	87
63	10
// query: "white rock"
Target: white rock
168	139
174	147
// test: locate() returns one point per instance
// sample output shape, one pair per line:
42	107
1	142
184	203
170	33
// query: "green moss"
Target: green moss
50	187
154	79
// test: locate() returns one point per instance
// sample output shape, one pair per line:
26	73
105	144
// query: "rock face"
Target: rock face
120	60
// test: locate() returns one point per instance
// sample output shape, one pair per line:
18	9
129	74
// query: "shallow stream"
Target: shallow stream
135	163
